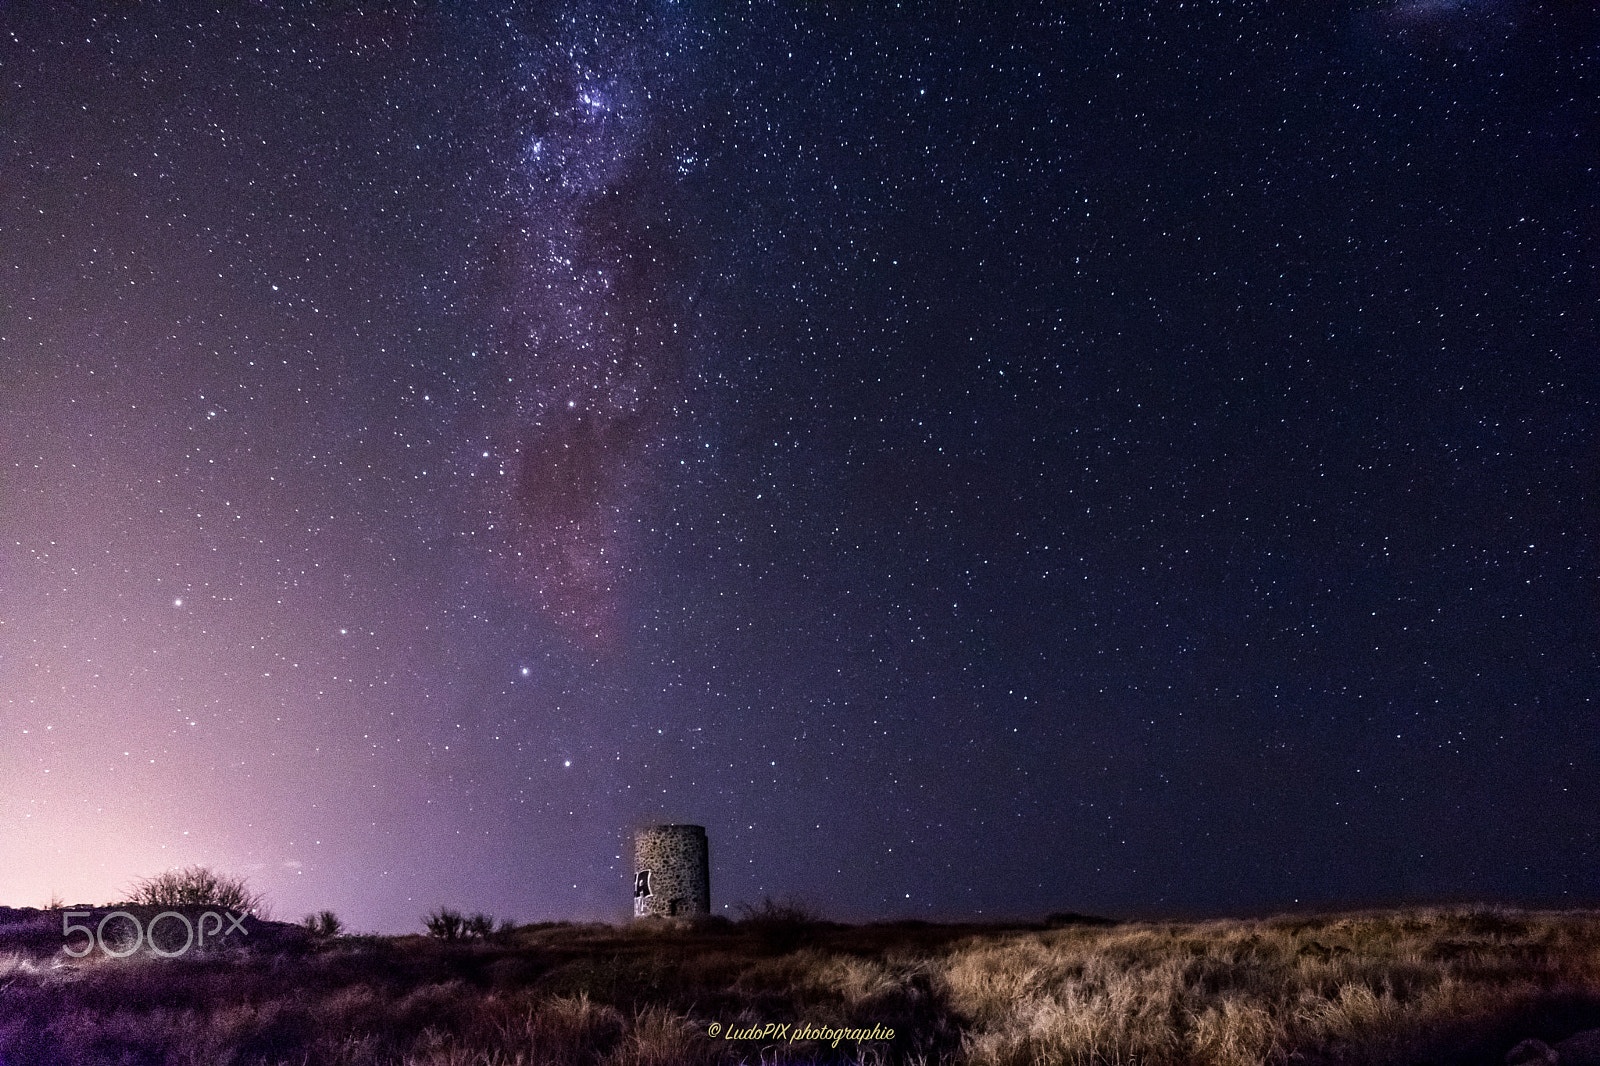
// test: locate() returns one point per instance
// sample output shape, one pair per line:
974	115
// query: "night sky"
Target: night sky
1119	458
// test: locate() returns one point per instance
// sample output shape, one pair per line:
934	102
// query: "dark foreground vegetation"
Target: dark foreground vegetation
1441	986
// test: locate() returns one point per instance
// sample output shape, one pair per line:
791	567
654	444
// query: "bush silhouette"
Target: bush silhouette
780	927
198	886
448	924
323	924
444	923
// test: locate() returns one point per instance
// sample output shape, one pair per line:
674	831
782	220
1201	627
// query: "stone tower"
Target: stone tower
671	872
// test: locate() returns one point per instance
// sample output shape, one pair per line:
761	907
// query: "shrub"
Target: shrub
780	927
198	886
448	924
323	924
772	912
444	923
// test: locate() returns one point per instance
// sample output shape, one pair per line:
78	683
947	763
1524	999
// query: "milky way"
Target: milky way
585	322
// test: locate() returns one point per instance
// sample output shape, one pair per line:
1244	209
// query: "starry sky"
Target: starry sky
1122	458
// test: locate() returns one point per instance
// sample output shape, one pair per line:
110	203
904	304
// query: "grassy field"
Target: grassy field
1417	986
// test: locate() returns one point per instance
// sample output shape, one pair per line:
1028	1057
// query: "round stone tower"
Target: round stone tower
671	872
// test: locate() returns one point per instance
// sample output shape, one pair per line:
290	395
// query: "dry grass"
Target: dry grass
1409	987
1422	986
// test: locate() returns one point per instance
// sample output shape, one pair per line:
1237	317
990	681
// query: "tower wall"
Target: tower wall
671	872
